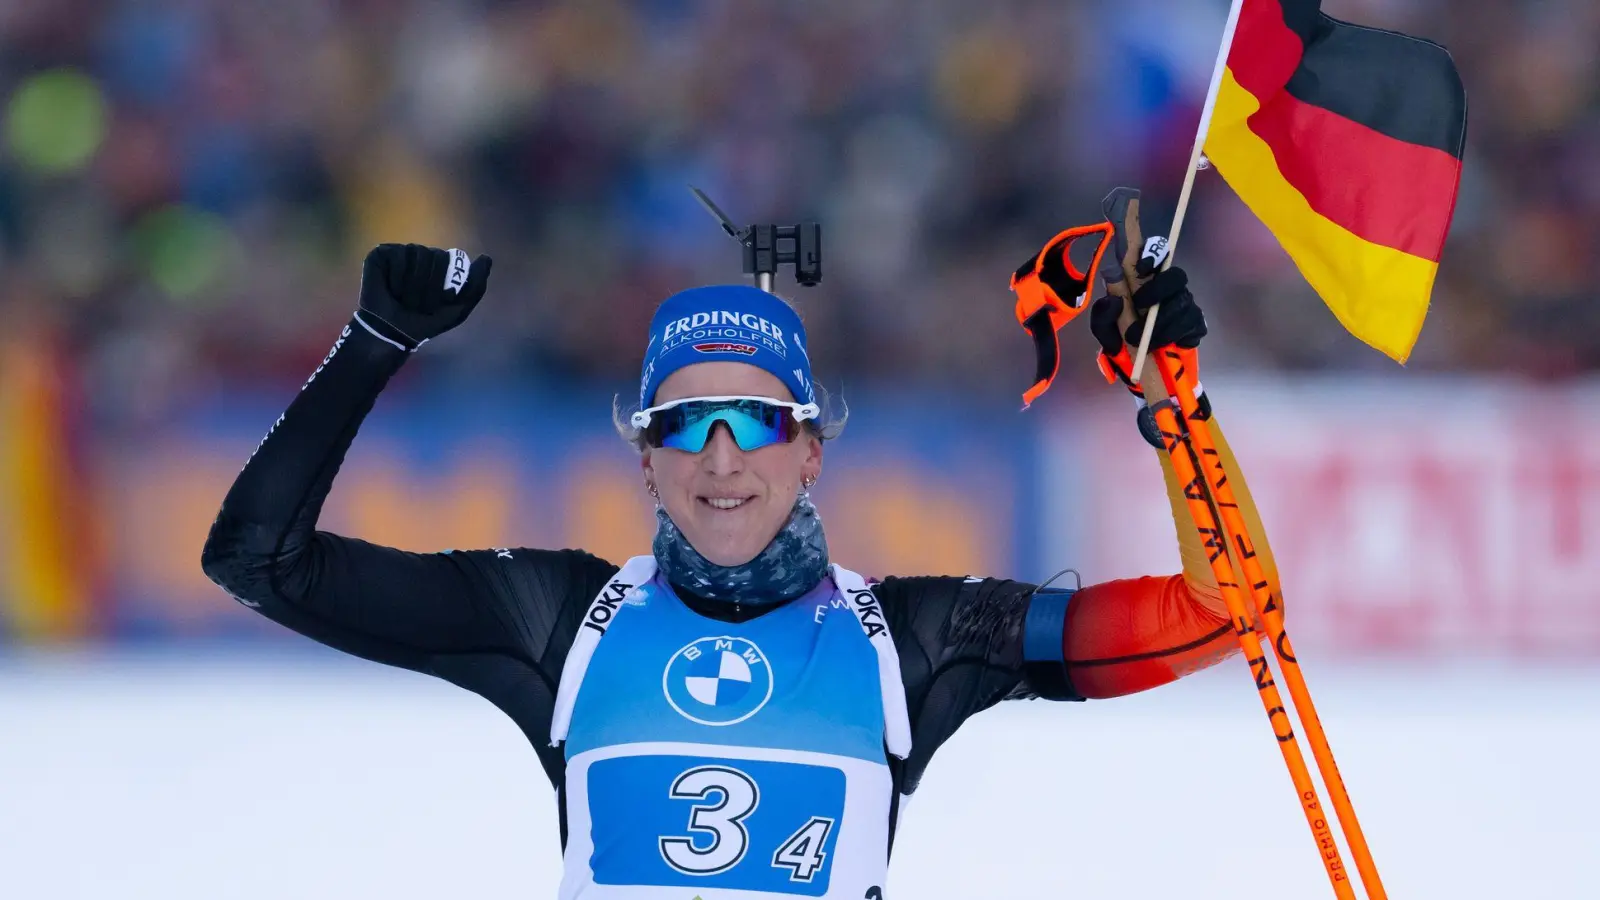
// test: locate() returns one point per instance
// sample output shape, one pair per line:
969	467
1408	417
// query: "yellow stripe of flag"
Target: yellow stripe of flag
1359	280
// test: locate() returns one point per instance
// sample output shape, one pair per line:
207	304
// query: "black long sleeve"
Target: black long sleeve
960	643
497	622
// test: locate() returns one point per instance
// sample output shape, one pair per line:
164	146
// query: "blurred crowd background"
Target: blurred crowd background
187	188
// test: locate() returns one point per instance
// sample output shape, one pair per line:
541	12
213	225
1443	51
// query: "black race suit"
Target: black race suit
499	622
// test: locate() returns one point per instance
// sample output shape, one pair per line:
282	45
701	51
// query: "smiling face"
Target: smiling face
728	503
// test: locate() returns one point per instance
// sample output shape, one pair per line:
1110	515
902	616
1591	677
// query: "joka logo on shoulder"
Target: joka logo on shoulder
718	680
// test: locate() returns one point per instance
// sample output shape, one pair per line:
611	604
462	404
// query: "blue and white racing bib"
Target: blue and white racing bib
728	761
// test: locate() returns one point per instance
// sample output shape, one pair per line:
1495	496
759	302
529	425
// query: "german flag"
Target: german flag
1346	141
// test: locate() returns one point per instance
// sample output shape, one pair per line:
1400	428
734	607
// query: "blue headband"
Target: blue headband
734	322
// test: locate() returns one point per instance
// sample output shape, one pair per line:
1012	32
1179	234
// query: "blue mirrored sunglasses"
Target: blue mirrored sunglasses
753	422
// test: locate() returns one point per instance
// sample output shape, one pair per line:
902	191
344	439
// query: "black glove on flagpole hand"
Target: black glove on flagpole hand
1179	320
411	293
1118	323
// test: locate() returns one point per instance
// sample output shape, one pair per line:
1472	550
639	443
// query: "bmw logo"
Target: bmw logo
718	680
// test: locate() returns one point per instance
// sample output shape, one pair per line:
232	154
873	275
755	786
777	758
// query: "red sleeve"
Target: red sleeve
1126	636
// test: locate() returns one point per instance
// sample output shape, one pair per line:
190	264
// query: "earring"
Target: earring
808	481
653	492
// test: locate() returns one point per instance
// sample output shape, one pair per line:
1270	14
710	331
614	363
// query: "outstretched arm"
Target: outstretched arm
966	644
1131	635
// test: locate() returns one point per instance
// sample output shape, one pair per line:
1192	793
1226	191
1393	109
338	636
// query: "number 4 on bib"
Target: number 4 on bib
802	853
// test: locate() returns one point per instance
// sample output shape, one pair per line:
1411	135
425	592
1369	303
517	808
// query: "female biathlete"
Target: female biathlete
732	716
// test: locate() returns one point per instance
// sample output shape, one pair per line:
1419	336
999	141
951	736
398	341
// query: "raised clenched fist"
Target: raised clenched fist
411	293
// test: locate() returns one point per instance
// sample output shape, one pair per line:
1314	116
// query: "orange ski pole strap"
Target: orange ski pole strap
1051	291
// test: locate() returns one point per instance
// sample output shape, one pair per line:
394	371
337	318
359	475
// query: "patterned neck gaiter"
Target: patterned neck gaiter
793	563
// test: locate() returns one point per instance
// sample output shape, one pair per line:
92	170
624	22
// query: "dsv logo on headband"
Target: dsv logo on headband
726	347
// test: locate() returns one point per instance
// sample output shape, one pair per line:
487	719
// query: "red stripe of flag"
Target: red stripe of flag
1265	51
1380	188
1383	190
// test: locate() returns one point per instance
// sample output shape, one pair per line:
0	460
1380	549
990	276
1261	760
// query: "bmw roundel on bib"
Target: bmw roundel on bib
718	680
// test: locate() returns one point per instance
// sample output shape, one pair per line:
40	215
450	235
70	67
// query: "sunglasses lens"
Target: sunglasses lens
752	424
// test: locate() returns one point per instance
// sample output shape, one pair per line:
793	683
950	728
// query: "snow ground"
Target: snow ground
318	779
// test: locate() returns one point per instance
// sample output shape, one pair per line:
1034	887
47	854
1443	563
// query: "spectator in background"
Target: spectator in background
145	143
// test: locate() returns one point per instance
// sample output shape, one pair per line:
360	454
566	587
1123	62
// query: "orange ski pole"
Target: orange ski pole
1176	439
1237	539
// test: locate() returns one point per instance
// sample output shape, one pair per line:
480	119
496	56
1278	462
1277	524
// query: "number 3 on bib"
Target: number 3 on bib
726	796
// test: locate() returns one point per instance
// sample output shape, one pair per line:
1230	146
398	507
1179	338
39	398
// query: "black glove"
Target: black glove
411	293
1179	321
